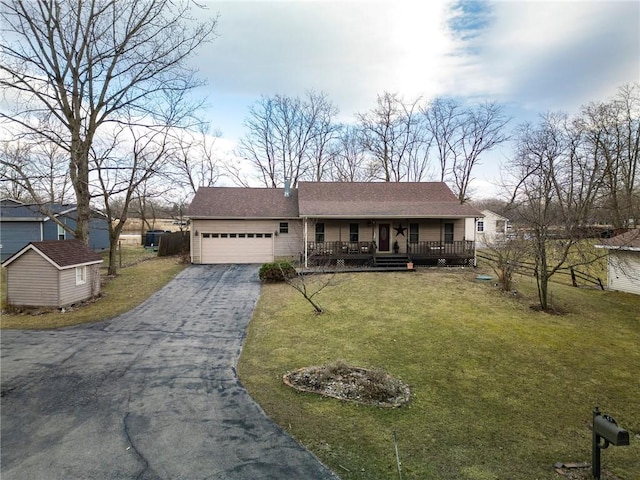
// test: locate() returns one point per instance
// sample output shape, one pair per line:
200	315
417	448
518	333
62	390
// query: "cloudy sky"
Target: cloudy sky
532	56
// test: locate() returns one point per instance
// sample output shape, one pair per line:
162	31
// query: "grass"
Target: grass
498	390
143	273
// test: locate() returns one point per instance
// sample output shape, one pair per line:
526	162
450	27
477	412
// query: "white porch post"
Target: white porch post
306	244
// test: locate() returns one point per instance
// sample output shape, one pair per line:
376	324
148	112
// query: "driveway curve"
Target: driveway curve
151	394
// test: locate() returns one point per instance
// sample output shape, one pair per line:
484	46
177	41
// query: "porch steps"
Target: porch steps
391	262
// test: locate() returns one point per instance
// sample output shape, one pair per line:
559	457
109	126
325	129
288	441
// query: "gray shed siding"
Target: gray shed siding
72	293
16	235
32	281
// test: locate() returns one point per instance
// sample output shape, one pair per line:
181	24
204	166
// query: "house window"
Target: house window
319	232
61	232
414	229
480	226
353	232
284	227
448	233
500	225
81	275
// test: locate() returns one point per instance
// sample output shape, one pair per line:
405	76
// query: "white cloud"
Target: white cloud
532	56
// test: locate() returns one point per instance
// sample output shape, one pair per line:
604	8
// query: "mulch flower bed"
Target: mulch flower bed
354	384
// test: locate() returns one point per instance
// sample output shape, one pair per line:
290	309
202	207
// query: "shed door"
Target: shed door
237	247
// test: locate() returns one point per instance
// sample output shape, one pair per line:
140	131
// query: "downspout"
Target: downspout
306	244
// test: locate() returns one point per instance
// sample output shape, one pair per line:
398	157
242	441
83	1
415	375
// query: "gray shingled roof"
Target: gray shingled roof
12	210
406	199
234	202
64	253
332	199
626	241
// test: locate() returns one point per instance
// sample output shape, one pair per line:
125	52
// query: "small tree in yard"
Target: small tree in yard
305	283
504	258
557	182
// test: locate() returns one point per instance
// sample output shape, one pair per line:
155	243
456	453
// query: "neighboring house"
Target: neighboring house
22	223
52	273
491	229
623	261
331	222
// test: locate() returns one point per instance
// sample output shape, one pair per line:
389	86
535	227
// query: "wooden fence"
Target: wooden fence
173	243
529	268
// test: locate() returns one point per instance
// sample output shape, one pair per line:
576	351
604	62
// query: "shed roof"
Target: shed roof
627	241
60	253
392	199
235	202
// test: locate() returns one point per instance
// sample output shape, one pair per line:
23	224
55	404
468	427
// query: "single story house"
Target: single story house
491	228
52	273
22	223
623	261
331	222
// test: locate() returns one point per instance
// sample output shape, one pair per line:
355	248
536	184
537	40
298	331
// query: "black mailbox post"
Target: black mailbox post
605	430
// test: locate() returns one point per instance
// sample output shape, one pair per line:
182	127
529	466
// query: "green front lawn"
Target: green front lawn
500	391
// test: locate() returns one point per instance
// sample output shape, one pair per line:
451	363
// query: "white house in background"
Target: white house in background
623	261
491	228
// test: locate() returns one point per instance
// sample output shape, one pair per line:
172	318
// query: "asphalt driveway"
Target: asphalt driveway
152	394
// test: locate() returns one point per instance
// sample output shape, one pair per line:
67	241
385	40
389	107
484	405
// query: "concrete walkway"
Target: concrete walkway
152	394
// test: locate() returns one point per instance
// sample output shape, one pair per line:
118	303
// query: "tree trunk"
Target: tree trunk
79	172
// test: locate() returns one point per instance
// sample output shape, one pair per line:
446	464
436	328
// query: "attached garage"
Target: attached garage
236	247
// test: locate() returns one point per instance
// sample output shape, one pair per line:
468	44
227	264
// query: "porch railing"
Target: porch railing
341	248
435	249
432	249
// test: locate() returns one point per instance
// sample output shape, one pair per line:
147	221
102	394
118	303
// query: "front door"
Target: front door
383	237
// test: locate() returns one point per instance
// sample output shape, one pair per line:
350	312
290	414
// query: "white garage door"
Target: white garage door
237	247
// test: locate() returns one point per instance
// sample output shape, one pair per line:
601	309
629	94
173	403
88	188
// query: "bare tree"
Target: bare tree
461	135
504	256
613	133
124	166
194	160
349	161
555	187
444	118
287	137
36	172
396	137
15	172
69	67
482	129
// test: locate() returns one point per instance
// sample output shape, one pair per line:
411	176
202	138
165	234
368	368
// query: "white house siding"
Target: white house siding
32	281
624	271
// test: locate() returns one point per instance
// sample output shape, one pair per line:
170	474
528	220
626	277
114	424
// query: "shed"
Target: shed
52	273
623	261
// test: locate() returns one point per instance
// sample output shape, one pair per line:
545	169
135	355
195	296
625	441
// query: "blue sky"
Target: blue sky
532	56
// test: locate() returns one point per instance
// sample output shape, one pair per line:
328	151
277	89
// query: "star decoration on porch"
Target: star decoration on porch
399	230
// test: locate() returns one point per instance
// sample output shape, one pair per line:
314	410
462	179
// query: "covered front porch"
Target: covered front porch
392	242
